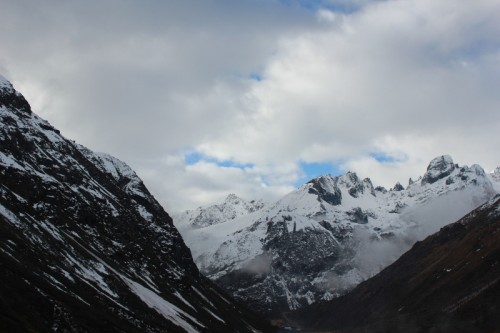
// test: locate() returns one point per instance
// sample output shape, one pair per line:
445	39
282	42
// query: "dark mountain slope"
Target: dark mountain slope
447	283
84	247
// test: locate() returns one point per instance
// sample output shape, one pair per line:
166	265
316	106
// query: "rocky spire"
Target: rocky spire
438	168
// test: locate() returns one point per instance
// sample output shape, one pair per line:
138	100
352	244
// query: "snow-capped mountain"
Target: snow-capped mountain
324	238
84	246
231	208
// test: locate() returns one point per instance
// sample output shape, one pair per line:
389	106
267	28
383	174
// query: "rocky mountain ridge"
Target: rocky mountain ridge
84	246
329	235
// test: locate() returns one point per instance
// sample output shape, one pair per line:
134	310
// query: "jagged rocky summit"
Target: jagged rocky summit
84	246
324	238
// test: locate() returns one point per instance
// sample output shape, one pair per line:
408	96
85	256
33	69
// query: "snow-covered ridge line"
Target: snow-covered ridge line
329	219
231	208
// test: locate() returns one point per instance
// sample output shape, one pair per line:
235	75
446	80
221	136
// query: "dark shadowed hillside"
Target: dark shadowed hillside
449	282
84	246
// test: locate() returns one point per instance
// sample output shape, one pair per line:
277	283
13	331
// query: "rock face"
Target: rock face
329	235
439	168
84	247
449	282
326	189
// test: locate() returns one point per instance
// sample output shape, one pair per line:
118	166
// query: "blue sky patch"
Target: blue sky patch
256	77
385	158
315	169
193	158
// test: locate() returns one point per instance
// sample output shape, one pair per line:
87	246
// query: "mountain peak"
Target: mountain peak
438	168
351	178
233	198
398	187
229	209
11	98
325	187
355	186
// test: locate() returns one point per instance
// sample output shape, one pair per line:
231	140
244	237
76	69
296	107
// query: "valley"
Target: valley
85	247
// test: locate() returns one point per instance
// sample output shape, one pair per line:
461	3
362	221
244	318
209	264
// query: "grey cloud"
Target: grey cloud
399	69
132	59
152	79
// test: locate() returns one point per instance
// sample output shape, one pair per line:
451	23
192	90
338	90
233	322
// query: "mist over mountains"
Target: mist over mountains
448	282
332	233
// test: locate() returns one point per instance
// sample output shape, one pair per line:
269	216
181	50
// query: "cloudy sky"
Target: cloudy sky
254	97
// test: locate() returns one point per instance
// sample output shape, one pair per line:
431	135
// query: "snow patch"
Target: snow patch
9	216
179	296
9	161
163	307
214	315
144	213
203	296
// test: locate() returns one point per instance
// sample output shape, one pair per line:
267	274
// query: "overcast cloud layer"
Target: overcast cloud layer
205	98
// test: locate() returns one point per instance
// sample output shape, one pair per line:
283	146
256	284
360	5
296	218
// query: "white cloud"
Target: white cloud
395	70
190	186
149	83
